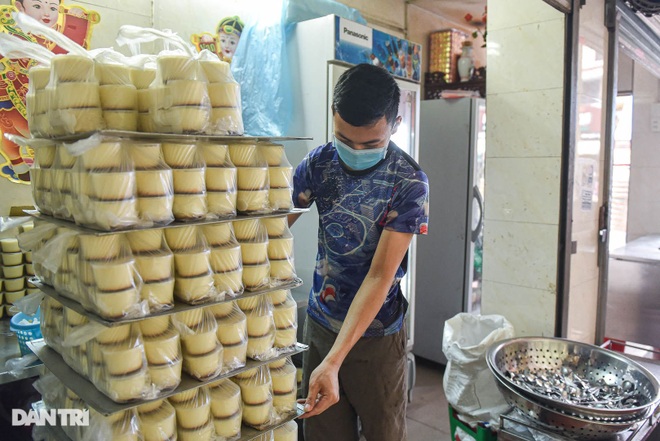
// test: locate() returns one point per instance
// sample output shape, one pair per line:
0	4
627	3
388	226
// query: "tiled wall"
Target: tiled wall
523	159
644	193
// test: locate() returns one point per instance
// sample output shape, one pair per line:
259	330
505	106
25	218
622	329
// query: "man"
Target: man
371	198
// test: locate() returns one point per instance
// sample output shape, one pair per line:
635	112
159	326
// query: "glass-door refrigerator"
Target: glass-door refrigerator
320	50
452	148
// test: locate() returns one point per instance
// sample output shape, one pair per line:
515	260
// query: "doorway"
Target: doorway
629	308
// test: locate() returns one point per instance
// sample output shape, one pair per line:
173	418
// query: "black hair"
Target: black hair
364	94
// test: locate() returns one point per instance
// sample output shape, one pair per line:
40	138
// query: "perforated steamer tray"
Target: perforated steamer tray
592	362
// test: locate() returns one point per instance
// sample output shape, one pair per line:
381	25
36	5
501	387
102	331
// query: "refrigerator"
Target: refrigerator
319	51
452	148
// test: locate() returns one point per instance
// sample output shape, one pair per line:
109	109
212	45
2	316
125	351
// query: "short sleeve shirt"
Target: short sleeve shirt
354	207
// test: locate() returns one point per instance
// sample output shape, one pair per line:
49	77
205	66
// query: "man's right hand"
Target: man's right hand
323	389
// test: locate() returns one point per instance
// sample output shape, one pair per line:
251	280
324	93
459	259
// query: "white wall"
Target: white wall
644	190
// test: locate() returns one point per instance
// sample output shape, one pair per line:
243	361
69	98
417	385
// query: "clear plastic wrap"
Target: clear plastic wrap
52	390
224	96
49	246
104	185
226	409
75	103
52	318
155	182
188	180
155	326
253	238
183	104
193	413
225	258
193	275
163	352
285	316
280	176
232	334
220	179
280	255
252	178
37	100
118	364
276	226
286	432
67	276
284	388
266	436
76	332
257	395
123	425
75	106
202	351
117	92
110	277
155	265
157	420
260	327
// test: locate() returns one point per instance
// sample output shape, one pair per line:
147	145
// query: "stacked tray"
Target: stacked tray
573	388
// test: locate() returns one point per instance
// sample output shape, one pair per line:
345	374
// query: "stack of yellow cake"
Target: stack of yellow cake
257	395
75	104
232	334
118	96
253	238
202	352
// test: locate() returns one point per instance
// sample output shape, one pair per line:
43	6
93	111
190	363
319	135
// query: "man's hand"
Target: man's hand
323	389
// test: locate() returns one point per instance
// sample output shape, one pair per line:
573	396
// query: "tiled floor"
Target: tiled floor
428	418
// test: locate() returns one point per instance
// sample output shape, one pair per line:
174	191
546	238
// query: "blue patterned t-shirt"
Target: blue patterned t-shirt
354	207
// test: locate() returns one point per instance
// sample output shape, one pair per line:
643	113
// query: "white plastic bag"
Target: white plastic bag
468	383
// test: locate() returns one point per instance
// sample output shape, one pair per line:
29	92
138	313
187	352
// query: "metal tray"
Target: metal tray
591	362
172	137
90	230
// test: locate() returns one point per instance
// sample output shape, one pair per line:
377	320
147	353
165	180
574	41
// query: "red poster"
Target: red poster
73	21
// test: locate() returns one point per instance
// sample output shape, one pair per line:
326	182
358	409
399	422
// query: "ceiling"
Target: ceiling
453	10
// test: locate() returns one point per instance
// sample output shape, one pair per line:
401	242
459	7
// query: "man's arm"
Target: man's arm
324	382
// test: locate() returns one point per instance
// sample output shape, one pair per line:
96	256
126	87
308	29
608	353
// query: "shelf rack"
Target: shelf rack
247	433
178	306
82	386
94	398
96	232
170	137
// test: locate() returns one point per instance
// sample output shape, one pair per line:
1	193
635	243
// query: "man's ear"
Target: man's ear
396	124
332	107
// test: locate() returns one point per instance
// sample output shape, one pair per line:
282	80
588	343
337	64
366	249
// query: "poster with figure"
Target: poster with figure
73	21
225	41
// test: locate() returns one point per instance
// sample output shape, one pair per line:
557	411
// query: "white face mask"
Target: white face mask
359	159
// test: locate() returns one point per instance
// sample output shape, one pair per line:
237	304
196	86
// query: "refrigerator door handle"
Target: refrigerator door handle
476	194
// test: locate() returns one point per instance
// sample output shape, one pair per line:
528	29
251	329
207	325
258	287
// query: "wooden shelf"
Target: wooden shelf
432	89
